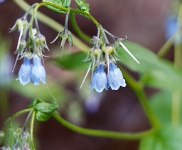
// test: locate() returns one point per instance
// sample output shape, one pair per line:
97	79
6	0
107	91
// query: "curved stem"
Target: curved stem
102	133
10	119
77	29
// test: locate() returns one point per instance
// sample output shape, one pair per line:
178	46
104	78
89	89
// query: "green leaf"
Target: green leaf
166	138
161	105
66	3
83	5
45	107
72	61
155	72
56	2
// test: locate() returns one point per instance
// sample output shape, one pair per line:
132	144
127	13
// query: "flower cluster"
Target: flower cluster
104	55
31	44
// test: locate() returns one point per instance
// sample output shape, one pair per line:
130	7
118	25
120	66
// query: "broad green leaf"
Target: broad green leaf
58	3
155	72
166	138
83	5
72	61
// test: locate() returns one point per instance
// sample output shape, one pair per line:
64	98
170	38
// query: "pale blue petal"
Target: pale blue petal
24	72
37	73
115	77
99	79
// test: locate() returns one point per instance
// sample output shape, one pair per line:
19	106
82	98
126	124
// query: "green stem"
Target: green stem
31	130
75	11
53	24
102	133
166	47
77	29
10	119
139	91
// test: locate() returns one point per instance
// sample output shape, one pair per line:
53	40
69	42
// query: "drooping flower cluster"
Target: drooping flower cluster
31	44
103	55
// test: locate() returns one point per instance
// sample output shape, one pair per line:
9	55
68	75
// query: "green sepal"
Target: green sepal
83	5
56	2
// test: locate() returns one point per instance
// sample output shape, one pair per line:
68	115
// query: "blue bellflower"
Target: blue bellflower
115	78
24	72
37	73
99	79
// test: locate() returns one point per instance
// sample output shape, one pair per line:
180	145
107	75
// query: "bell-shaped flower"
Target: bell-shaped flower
24	72
99	79
115	78
37	73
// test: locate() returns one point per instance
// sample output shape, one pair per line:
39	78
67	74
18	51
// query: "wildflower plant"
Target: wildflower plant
103	57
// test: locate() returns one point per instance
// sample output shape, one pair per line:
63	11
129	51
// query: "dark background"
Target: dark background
142	21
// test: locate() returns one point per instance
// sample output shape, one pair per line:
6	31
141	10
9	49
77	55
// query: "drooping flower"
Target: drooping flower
114	77
24	72
37	73
99	79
